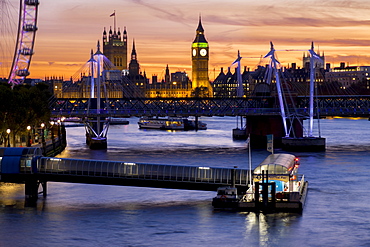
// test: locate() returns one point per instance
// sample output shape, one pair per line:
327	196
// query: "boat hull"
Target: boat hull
171	124
160	127
289	205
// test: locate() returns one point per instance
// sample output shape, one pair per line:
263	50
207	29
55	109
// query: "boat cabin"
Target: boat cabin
279	168
227	193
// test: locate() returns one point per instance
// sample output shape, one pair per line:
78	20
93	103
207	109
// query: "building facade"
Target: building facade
115	47
174	85
226	85
346	76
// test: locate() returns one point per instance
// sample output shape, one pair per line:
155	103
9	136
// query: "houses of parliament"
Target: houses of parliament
126	80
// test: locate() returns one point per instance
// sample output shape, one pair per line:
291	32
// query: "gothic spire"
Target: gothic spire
199	38
98	52
200	27
133	53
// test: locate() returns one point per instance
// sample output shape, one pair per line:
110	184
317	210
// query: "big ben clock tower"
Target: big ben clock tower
200	57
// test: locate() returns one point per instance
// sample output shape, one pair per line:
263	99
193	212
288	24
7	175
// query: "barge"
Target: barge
275	187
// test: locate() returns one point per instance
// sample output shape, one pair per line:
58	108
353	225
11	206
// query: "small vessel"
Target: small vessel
117	121
194	124
161	123
276	187
171	124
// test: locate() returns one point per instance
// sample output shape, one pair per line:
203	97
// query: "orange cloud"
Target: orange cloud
164	30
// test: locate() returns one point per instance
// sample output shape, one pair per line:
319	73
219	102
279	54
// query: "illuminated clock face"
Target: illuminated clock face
203	52
194	52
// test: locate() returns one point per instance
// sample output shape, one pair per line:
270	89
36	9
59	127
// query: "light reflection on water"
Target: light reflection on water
336	213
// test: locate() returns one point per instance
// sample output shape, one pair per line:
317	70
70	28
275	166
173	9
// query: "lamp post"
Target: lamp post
58	129
42	134
52	130
28	136
8	131
52	133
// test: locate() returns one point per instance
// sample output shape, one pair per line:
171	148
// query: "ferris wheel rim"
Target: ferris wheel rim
26	35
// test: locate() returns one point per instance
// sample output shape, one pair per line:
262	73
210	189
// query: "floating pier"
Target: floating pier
276	187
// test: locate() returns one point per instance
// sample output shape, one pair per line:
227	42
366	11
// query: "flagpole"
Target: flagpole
114	20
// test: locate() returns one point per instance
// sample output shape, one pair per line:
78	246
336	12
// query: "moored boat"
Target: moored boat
171	123
161	123
276	187
194	124
117	121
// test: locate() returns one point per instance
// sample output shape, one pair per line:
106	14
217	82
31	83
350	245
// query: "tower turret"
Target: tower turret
104	36
124	35
200	59
110	33
134	67
167	75
114	48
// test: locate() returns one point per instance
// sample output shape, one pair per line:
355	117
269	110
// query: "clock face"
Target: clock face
203	52
194	52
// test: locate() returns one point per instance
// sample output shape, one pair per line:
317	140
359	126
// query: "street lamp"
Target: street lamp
8	131
42	133
29	136
52	130
58	129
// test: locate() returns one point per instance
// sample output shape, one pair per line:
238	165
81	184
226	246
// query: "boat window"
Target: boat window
277	164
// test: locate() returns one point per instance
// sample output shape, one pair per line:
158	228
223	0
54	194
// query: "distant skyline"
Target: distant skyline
164	30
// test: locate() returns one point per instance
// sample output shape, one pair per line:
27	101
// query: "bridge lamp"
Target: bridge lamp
8	132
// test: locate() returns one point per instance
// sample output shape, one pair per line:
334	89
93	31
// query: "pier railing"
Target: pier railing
141	171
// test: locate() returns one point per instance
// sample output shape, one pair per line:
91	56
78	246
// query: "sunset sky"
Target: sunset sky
164	30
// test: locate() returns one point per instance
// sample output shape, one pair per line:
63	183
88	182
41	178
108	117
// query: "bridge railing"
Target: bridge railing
117	169
344	105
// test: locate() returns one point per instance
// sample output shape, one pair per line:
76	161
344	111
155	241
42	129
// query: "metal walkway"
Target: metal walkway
25	165
139	174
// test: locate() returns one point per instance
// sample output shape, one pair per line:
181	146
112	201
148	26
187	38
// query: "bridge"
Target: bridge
28	166
345	106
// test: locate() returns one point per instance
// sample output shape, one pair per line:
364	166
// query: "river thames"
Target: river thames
337	210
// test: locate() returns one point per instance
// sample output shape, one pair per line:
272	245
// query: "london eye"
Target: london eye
19	36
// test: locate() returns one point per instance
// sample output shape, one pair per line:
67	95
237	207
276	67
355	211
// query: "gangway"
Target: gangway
26	165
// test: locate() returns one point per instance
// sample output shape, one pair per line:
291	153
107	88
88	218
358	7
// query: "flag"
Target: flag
114	14
270	143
